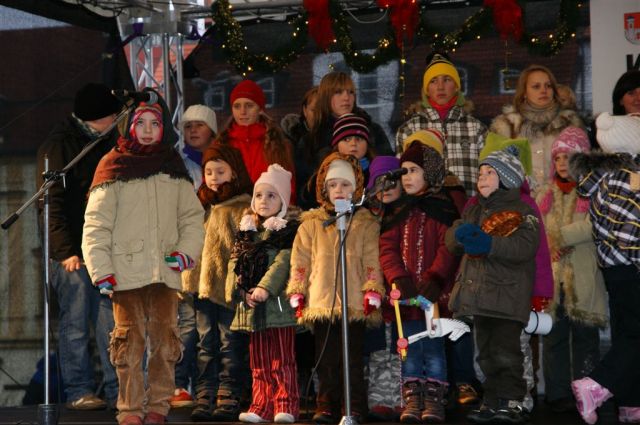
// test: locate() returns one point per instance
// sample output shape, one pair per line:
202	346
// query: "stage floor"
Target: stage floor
28	415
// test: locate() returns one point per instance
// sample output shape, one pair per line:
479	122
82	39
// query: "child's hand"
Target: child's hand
248	300
372	302
465	230
297	301
106	284
477	242
259	295
178	261
406	287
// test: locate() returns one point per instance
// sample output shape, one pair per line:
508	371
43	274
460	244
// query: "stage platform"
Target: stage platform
28	415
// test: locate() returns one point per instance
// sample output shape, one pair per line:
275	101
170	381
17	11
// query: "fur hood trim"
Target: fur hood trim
322	214
512	122
581	164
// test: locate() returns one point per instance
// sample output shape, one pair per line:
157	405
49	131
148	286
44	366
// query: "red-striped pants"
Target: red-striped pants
273	367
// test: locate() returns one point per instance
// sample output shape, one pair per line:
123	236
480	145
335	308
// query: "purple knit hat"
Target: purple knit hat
379	166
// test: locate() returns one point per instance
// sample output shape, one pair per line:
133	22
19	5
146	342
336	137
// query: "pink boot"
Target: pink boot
589	396
629	415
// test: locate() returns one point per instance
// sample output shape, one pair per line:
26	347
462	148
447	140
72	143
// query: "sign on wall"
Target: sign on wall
615	46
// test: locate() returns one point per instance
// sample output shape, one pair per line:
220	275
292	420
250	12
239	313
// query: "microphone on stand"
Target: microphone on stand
395	174
149	97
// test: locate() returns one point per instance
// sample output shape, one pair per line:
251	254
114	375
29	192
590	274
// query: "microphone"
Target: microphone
395	174
150	96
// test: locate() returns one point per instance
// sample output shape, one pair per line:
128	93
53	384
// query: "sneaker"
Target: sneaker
154	418
483	415
589	396
131	420
284	418
252	418
322	417
510	412
181	398
467	394
87	402
629	415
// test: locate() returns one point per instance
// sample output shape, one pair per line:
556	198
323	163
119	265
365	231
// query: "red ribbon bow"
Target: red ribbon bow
507	17
404	18
319	19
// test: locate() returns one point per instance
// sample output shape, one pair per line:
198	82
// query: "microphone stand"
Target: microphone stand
344	207
47	412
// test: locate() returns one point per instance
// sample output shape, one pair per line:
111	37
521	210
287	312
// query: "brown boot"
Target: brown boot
435	394
412	396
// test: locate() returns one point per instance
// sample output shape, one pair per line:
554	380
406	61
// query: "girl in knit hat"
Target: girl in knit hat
313	285
200	130
413	256
571	349
143	227
444	108
256	283
254	133
499	238
225	194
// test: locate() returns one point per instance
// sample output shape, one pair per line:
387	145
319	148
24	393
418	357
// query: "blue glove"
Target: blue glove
465	230
478	243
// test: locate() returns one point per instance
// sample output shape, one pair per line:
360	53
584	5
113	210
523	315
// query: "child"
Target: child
254	134
200	128
384	362
571	349
351	137
414	257
225	195
143	226
610	179
256	282
313	285
495	282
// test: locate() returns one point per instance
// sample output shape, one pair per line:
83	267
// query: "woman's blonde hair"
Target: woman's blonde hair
521	87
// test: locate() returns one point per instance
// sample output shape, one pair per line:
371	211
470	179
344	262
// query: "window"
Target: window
367	90
508	79
214	96
268	86
464	80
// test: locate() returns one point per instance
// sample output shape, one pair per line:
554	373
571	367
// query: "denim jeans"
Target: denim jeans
222	353
187	369
82	307
426	357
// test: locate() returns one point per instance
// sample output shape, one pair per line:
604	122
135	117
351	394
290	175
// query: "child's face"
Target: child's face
198	135
245	111
561	164
339	189
353	145
148	129
488	180
441	89
216	173
391	194
413	182
267	201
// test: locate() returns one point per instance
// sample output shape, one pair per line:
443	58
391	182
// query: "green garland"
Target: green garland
478	24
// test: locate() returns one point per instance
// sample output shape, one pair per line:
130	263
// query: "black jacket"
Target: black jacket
67	203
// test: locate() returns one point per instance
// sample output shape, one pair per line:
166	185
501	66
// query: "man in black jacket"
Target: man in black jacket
81	305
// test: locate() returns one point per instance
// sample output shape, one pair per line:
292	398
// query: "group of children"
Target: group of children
259	270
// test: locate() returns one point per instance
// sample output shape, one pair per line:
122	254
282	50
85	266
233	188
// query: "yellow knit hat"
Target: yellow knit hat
439	65
428	137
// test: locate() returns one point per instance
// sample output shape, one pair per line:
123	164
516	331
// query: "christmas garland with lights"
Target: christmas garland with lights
474	26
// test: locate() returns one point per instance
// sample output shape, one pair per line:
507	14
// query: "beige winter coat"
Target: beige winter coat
221	225
130	226
314	258
540	127
585	297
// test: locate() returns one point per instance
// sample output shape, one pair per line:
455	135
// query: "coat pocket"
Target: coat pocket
499	297
118	346
128	257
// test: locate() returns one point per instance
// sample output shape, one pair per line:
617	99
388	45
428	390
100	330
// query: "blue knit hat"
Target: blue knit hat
507	165
379	166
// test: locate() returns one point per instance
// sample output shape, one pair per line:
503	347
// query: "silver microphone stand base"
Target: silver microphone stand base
47	414
348	420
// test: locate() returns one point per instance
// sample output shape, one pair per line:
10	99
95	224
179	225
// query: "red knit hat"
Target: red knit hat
248	89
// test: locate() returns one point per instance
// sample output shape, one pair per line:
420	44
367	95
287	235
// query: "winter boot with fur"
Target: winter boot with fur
435	398
413	405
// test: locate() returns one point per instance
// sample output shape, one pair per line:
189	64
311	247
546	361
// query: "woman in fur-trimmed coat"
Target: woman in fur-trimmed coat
571	349
536	115
314	285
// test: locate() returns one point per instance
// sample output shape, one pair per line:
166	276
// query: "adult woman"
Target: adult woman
626	94
336	97
444	108
536	115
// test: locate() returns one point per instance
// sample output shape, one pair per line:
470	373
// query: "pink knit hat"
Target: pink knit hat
280	180
570	140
